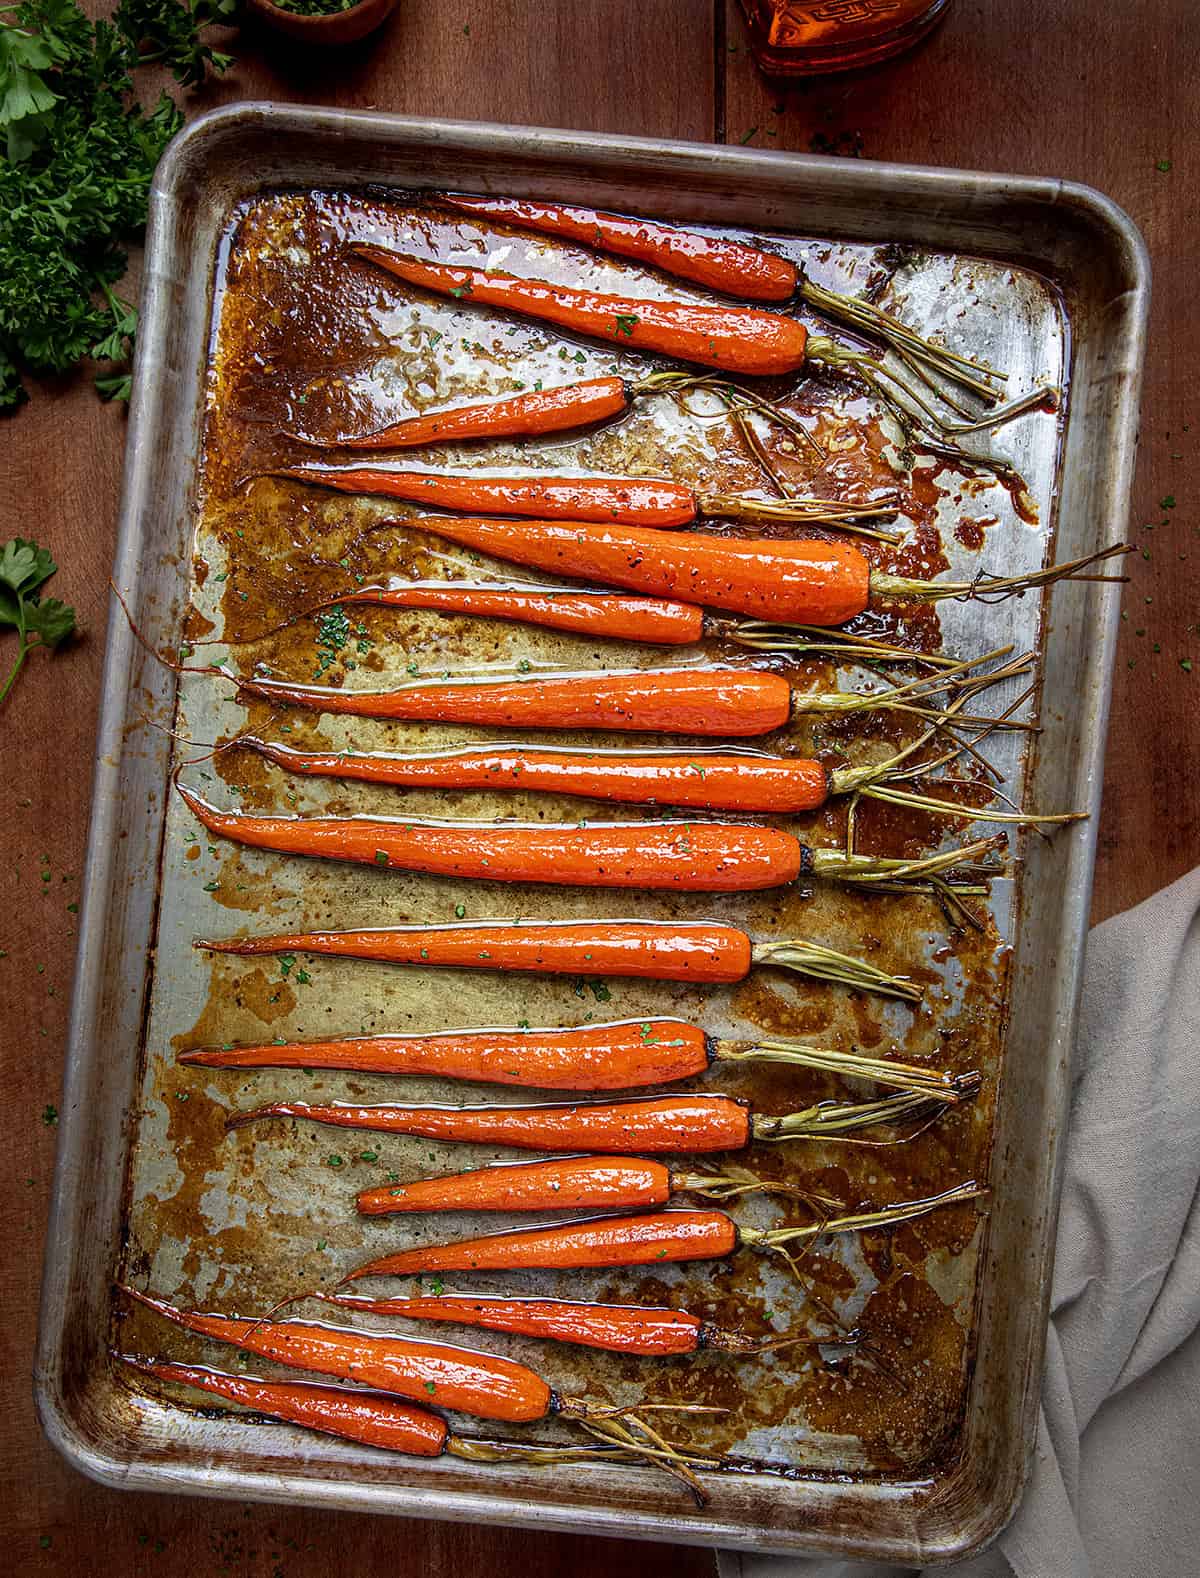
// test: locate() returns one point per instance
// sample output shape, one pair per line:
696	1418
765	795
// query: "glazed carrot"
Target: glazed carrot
337	1411
590	1057
654	503
472	1383
650	1123
569	1183
701	951
458	1379
617	1328
702	857
736	339
701	780
356	1415
535	412
670	1123
634	501
649	1239
733	268
613	614
801	581
655	1238
698	780
804	582
648	1331
566	1183
686	857
618	1056
712	261
686	701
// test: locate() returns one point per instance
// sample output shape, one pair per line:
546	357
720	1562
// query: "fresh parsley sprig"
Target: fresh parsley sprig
38	621
79	155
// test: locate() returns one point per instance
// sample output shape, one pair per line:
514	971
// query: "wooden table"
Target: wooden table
1102	94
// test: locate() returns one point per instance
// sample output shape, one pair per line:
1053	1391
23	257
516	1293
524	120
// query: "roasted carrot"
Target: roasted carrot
698	780
735	339
649	1239
702	951
707	702
619	1056
738	340
671	1123
694	1124
647	1331
805	582
730	267
457	1379
613	614
687	857
712	261
512	416
356	1415
634	501
718	702
656	503
567	1183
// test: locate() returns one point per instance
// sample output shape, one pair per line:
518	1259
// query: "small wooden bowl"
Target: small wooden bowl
336	27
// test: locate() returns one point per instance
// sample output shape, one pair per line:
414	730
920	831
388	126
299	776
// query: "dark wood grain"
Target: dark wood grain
1020	86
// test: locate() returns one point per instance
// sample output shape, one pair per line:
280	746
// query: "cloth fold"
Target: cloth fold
1115	1488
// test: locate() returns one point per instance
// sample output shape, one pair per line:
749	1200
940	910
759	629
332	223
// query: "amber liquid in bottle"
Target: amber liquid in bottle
797	38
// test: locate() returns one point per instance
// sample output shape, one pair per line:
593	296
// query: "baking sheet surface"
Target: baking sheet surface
305	342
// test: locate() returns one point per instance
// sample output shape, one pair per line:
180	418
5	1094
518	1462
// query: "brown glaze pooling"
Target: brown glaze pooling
308	342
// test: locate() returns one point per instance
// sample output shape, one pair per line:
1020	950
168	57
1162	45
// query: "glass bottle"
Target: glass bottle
799	38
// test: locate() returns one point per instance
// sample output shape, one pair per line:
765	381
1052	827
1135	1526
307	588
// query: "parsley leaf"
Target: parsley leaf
74	187
25	567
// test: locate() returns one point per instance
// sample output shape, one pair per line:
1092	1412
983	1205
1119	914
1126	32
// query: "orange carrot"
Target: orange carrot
458	1379
698	780
355	1415
617	1328
736	339
589	1057
655	1238
570	1183
712	261
649	1239
686	857
669	1123
701	951
620	1056
612	614
633	501
337	1411
714	702
537	411
736	270
705	857
650	1123
798	582
567	1183
465	1382
646	502
647	1331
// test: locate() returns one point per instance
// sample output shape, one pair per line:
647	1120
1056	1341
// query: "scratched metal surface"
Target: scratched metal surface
236	1222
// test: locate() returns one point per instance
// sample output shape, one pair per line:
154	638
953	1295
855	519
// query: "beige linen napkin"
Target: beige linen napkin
1115	1487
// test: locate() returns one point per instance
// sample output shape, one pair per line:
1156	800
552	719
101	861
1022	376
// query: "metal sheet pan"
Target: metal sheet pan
1071	275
